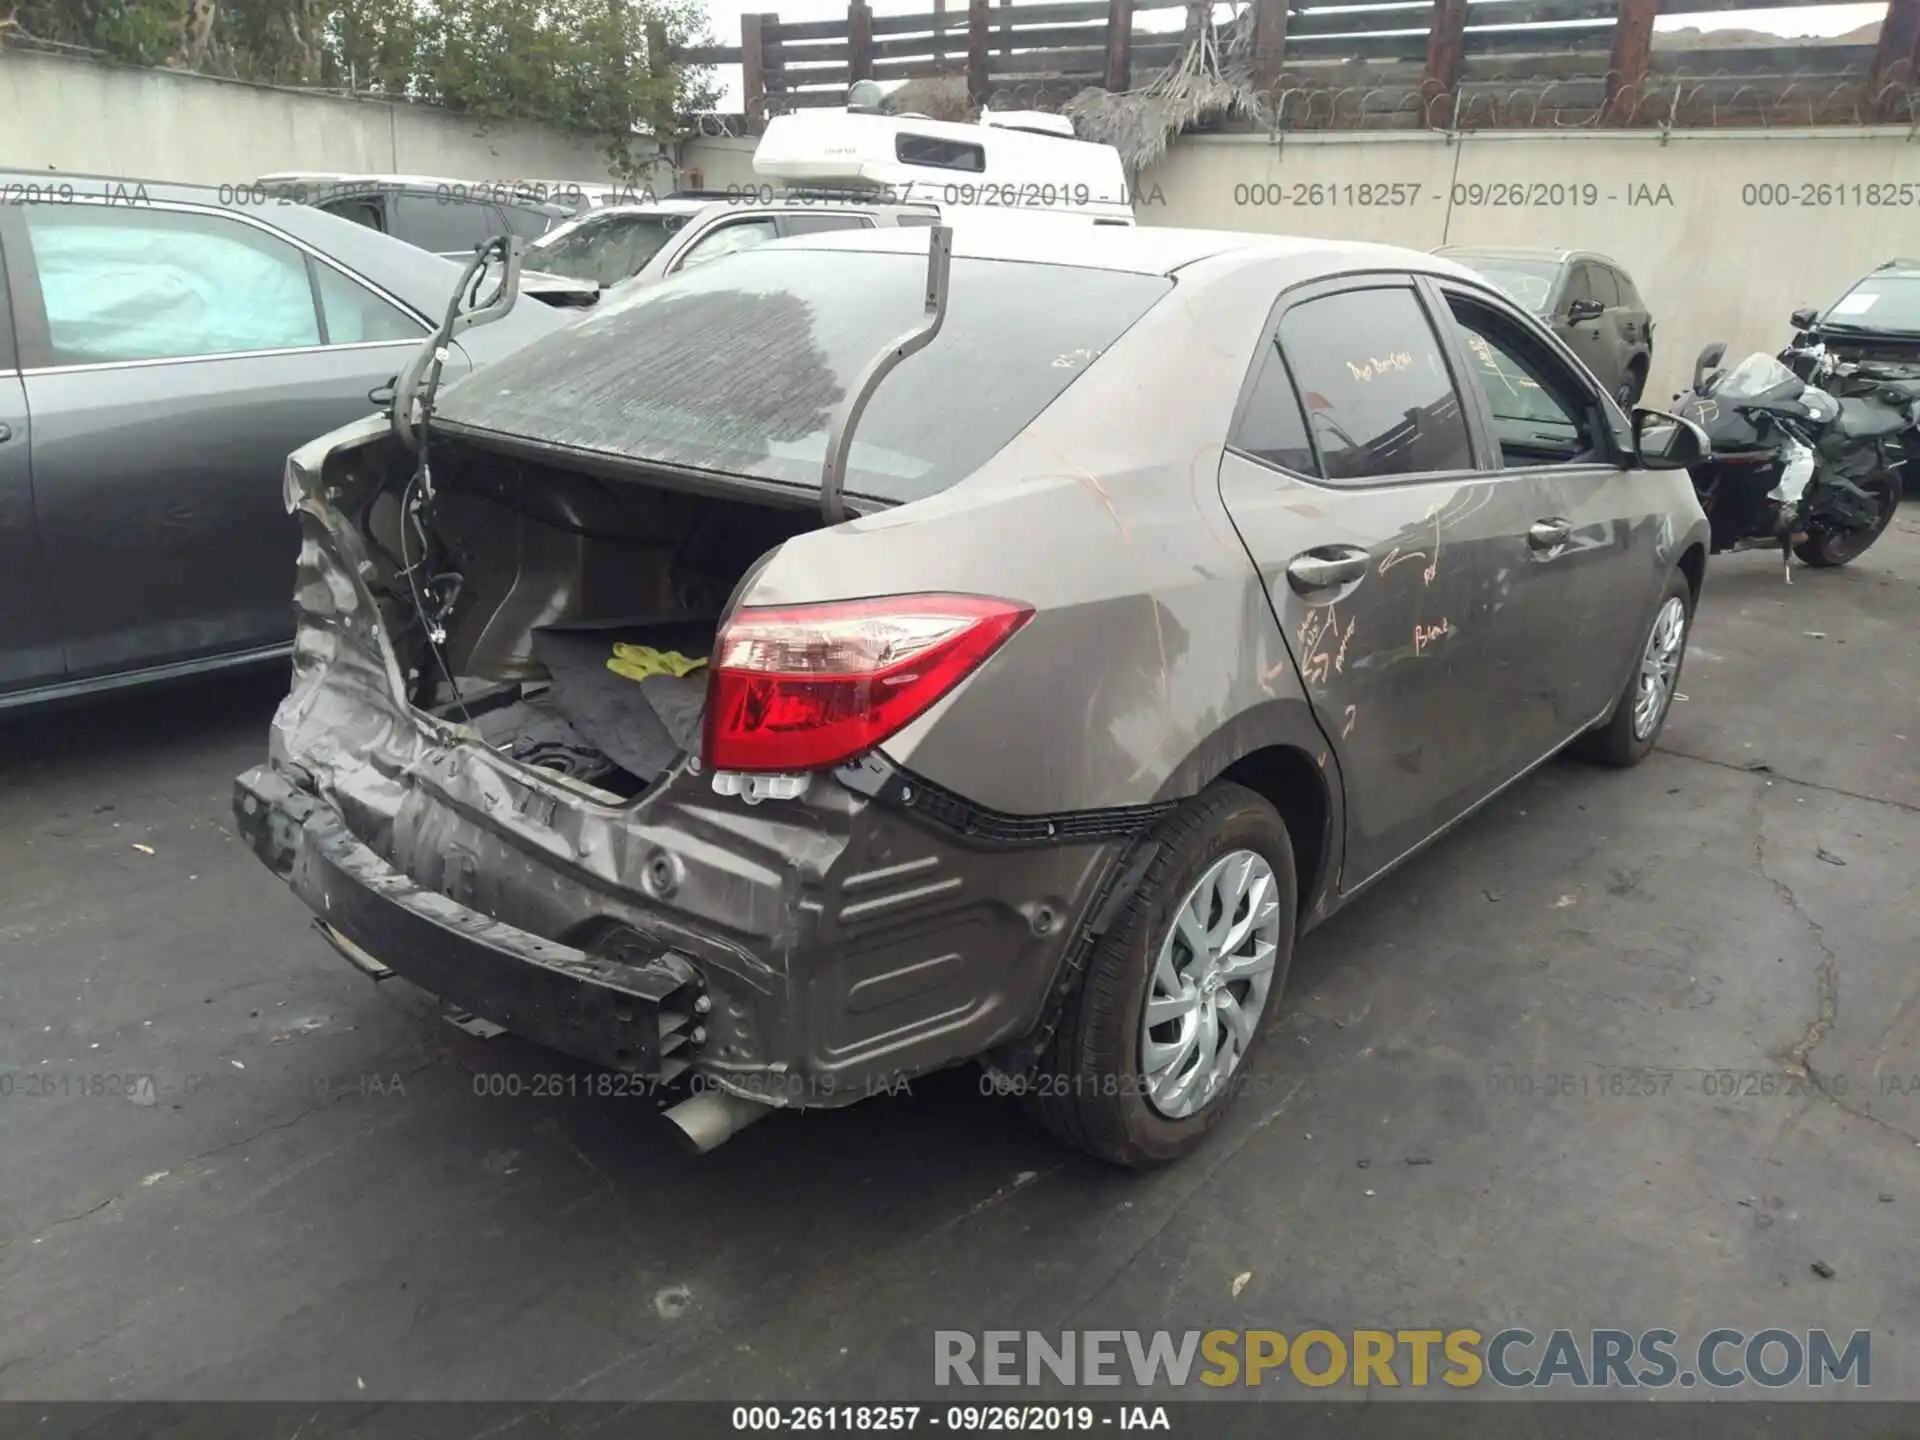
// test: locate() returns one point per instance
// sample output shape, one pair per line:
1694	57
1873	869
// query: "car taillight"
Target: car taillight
812	686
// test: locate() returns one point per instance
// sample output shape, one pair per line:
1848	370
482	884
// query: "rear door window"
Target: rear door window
122	283
1600	280
1273	427
1379	398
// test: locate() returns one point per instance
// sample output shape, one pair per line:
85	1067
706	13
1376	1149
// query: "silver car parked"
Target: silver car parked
757	730
162	349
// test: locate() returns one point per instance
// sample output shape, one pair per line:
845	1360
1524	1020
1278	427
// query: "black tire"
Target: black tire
1088	1089
1615	742
1824	549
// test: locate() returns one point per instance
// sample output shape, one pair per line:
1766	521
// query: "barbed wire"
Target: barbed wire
1681	98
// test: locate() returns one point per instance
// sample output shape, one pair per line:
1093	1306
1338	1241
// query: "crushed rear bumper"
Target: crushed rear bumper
619	1006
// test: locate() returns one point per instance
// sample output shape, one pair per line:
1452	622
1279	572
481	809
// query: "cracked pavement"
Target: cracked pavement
316	1198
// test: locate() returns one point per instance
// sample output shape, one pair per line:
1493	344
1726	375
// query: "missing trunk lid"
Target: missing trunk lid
547	575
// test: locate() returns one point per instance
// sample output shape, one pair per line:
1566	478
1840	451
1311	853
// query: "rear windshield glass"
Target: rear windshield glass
1879	302
736	367
1529	282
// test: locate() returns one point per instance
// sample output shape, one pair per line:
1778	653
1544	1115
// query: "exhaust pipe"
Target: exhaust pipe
711	1118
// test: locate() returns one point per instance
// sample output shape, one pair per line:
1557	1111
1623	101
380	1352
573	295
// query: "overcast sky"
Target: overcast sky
723	22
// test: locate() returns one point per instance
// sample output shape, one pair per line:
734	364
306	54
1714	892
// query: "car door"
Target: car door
1584	336
1392	556
1590	565
30	653
174	355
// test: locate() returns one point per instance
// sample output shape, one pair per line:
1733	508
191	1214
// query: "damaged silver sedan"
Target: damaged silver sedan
888	650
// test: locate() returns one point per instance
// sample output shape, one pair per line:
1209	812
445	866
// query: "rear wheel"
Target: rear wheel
1641	711
1824	548
1149	1053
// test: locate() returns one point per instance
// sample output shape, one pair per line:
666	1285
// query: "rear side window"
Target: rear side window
1273	427
737	368
1579	287
1629	296
1600	280
121	283
357	316
1378	395
938	154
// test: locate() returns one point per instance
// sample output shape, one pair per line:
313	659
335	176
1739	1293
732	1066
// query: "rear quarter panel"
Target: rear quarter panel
1153	660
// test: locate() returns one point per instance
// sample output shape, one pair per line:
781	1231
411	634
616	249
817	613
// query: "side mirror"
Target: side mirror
1666	442
1803	318
1583	310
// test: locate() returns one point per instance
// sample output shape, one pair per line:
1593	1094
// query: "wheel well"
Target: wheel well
1290	781
1693	565
1640	363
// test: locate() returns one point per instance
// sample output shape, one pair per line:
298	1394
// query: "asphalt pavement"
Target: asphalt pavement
319	1193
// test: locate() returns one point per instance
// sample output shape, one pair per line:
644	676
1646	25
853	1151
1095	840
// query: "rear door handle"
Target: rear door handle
1325	566
1545	534
6	433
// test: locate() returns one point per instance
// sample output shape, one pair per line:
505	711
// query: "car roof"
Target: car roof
1135	249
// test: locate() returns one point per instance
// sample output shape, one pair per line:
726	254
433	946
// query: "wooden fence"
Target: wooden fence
1439	43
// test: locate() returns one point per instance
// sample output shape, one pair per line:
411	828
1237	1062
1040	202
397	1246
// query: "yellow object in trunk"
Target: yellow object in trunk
637	662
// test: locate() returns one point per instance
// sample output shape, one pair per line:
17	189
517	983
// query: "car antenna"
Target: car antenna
833	470
419	384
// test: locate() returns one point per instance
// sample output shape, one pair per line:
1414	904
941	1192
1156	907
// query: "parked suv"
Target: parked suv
448	217
1188	582
610	245
1588	300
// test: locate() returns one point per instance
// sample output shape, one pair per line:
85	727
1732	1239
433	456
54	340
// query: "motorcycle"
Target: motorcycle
1793	467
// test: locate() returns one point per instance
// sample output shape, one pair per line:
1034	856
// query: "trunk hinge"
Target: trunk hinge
833	472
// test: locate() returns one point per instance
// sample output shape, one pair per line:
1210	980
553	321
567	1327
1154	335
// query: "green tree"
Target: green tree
598	67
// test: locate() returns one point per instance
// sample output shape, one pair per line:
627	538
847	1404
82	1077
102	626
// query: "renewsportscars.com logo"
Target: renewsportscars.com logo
1511	1358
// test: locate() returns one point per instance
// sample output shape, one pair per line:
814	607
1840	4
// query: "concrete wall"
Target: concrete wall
1694	218
64	114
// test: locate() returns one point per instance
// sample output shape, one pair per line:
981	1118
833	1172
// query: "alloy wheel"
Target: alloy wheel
1659	665
1209	983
